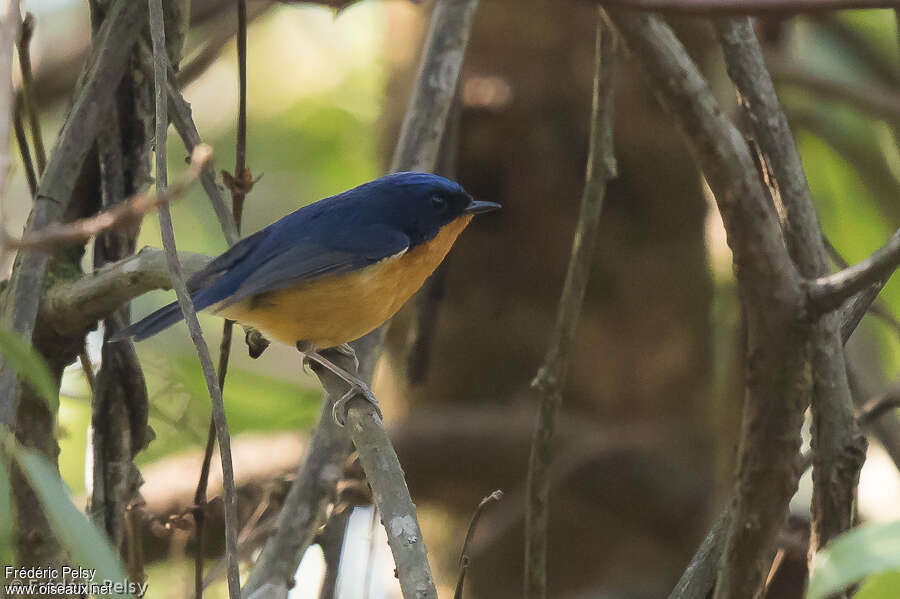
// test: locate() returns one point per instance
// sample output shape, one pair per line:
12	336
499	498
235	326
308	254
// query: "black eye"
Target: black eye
439	203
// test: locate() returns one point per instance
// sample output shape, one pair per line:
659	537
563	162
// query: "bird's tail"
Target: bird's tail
151	324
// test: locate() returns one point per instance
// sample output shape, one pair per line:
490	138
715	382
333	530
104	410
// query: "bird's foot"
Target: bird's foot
345	349
357	389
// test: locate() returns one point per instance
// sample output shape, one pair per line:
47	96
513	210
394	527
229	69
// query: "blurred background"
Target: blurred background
646	444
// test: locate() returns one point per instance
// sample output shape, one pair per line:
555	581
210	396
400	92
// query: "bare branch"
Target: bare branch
551	378
874	100
778	387
829	292
839	445
744	7
161	79
111	52
23	44
126	215
398	513
74	306
470	531
237	208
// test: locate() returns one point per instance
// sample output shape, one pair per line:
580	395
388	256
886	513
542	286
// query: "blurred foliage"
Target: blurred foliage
864	551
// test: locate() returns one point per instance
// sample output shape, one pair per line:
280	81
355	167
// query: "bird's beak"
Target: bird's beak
479	207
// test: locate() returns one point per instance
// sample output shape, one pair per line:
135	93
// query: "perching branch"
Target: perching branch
551	378
417	149
108	59
161	78
391	496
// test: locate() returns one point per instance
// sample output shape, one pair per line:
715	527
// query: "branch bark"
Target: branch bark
838	445
778	383
829	292
108	59
161	78
551	377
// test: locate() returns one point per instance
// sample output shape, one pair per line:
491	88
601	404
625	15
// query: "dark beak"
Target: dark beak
478	207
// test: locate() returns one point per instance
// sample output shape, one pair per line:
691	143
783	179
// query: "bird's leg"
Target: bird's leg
358	387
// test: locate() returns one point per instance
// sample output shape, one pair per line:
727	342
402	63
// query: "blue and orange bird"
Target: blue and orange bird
334	270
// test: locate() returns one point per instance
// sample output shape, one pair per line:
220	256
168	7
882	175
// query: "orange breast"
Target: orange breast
335	309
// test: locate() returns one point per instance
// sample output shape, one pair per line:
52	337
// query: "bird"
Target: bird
333	270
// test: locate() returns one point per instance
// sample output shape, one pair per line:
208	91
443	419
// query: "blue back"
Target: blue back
342	233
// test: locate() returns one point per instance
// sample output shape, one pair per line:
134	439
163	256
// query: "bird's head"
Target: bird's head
421	203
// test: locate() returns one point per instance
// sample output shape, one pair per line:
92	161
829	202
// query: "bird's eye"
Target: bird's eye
439	203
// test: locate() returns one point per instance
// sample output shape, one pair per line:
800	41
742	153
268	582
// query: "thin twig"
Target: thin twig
24	150
873	100
222	33
470	531
551	378
161	78
125	215
28	100
853	307
876	407
831	291
237	209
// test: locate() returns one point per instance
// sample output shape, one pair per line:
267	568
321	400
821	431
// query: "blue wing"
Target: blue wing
274	258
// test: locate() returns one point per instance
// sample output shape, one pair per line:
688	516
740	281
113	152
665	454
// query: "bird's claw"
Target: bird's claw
340	408
346	350
305	362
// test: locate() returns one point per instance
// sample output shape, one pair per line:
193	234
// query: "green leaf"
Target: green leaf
30	366
88	547
880	586
866	550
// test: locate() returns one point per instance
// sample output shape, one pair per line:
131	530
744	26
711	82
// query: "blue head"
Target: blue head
418	204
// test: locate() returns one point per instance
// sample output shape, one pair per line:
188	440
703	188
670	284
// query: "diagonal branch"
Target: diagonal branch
161	77
829	292
551	377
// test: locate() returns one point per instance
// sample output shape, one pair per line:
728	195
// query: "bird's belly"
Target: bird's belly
335	309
